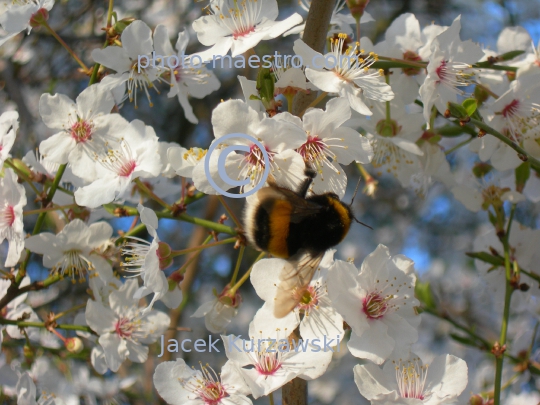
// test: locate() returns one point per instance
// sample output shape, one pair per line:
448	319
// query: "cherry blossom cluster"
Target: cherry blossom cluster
390	110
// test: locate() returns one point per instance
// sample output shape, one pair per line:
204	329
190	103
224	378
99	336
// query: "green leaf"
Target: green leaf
523	172
486	257
265	84
510	55
470	106
457	110
424	294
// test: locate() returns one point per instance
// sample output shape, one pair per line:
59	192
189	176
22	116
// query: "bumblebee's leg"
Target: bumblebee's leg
306	184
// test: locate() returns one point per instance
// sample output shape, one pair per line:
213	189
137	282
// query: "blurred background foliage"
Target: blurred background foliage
435	231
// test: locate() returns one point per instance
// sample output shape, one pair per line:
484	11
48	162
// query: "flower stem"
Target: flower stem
176	253
244	278
409	63
314	103
502	138
53	208
237	267
63	43
67	311
144	189
231	213
271	398
182	269
23	176
483	343
509	289
459	145
23	324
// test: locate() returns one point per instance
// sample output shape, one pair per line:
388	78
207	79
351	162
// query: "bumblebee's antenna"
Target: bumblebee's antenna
352	200
361	223
355	191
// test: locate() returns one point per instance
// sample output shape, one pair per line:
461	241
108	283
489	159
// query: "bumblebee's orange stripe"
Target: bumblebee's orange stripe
343	214
280	218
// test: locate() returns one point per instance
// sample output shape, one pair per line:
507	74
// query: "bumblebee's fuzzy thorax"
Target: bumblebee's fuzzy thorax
278	225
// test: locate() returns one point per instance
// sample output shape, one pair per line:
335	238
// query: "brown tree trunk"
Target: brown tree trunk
317	23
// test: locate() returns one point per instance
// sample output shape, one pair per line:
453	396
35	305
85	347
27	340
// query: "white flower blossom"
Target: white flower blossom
314	313
267	362
449	67
12	201
190	79
73	252
136	42
377	302
15	16
9	124
410	382
240	26
136	156
145	259
347	73
178	384
328	143
85	128
394	140
183	160
280	139
124	331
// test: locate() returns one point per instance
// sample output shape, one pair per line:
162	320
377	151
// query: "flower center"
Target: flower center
254	164
317	153
193	155
510	109
73	263
350	62
268	363
124	328
7	216
207	386
454	74
243	32
241	19
411	380
81	131
309	299
120	161
375	305
212	392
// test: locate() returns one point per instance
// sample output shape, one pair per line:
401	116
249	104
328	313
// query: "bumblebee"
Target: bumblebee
299	228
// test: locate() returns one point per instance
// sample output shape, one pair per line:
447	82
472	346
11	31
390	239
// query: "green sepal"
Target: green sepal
523	172
424	294
487	258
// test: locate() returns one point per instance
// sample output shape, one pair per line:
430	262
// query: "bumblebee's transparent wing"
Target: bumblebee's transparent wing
295	278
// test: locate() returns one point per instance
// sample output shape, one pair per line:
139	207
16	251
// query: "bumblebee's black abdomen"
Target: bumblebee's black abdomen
262	231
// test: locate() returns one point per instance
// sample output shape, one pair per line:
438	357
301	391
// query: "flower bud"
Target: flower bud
74	345
481	169
357	8
28	352
476	400
121	25
388	128
228	299
164	254
39	18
